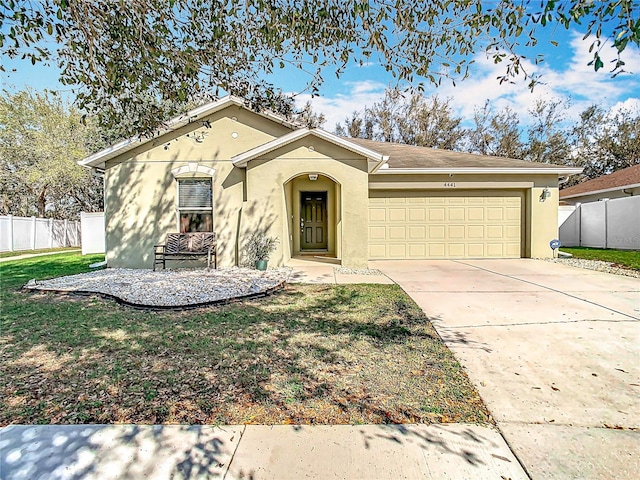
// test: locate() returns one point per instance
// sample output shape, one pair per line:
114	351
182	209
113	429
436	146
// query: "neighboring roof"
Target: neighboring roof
412	159
242	159
98	159
626	178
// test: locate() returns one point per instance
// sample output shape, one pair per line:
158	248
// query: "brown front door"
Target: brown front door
313	220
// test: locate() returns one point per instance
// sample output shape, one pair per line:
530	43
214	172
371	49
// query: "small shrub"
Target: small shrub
259	247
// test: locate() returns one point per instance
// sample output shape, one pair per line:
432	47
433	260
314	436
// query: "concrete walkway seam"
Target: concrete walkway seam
233	455
551	289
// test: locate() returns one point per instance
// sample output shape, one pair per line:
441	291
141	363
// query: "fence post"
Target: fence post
33	233
11	233
606	223
51	233
65	233
579	207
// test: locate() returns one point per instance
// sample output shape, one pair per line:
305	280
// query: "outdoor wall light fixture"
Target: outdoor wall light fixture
313	176
546	193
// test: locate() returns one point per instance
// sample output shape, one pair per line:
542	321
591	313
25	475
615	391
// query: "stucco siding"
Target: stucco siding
140	190
343	174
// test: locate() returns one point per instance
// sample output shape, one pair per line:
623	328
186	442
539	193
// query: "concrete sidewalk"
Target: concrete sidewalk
158	452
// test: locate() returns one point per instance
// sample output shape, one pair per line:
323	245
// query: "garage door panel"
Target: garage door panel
417	232
437	250
417	214
397	233
456	231
475	231
475	250
377	214
437	232
473	224
495	231
512	213
377	233
436	214
456	250
377	251
512	232
512	249
475	214
397	214
495	250
455	214
397	251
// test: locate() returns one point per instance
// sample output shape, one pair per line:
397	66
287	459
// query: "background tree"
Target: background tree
308	118
410	119
429	122
495	133
547	141
41	139
605	141
123	55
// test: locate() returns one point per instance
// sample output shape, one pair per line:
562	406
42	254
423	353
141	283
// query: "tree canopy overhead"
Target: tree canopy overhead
148	57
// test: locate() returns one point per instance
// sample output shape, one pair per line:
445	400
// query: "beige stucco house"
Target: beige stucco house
225	168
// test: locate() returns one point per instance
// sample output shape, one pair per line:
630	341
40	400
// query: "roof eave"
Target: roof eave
596	192
479	170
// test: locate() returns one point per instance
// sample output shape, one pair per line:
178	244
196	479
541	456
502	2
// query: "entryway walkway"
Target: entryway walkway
328	270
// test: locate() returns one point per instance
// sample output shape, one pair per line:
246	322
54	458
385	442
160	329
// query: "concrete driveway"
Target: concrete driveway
554	351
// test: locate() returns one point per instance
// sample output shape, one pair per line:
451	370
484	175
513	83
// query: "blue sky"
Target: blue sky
565	74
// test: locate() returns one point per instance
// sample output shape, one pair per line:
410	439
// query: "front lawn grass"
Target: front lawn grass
306	355
622	258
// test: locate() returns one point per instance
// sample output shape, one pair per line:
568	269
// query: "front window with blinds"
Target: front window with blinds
195	205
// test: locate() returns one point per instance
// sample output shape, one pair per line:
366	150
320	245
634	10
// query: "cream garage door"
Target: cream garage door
445	224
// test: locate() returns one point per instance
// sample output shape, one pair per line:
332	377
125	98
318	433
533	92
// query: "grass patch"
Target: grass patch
622	258
345	354
41	250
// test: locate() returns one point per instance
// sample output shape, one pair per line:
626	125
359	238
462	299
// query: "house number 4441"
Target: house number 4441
450	184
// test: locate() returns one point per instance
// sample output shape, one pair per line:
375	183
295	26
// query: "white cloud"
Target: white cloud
336	108
575	81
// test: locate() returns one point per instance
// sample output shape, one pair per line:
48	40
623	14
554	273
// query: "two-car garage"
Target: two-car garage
435	224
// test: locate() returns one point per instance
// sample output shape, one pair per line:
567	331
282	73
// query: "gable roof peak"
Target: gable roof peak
99	159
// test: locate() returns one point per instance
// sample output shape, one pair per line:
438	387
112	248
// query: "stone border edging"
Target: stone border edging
138	306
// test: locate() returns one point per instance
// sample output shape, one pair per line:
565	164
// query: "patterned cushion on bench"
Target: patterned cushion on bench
186	243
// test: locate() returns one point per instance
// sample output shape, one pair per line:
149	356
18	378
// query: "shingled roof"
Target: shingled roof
624	178
408	156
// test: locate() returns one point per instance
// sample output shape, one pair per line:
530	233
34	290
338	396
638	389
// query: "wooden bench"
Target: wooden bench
185	246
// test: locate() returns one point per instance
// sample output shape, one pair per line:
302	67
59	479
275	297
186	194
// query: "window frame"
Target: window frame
205	210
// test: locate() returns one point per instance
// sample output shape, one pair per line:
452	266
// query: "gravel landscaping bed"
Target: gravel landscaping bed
597	265
169	288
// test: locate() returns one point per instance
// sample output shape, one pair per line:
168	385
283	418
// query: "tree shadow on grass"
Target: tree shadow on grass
307	354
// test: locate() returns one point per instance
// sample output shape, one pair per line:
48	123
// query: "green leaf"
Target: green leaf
598	64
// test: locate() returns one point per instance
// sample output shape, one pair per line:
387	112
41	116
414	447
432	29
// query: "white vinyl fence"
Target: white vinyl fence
31	233
611	223
92	232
